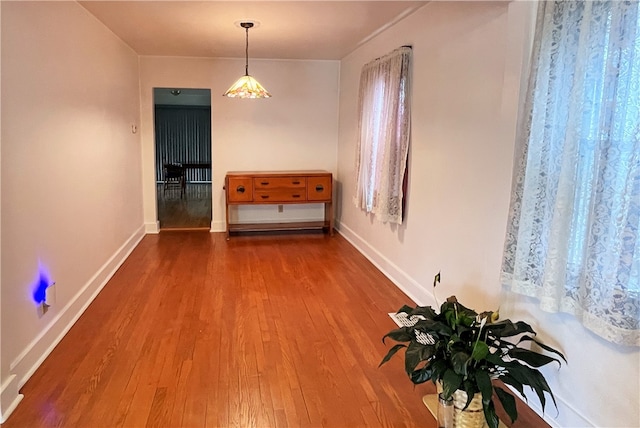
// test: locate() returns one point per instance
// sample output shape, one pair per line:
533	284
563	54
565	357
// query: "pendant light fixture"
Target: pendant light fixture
247	86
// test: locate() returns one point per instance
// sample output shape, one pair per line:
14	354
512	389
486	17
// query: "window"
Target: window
572	240
383	144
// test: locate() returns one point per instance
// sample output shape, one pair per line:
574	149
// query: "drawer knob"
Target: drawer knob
264	196
319	188
240	189
264	183
296	196
296	182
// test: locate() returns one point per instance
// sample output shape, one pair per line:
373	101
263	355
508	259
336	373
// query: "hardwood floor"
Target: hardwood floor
259	331
192	211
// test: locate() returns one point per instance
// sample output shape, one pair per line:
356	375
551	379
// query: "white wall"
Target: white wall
295	129
459	167
467	70
70	173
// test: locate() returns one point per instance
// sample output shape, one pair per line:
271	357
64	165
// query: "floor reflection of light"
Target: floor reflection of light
48	411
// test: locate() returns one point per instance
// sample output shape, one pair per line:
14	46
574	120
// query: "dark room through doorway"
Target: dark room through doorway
182	119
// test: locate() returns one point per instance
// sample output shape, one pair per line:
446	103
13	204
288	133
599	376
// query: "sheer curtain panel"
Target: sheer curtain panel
383	143
572	239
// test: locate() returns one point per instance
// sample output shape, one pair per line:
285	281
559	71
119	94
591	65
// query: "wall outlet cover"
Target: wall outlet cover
50	294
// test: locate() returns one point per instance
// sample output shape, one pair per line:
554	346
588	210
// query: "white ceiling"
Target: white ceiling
285	30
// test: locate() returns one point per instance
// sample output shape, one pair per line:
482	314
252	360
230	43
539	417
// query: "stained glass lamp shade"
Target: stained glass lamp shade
247	86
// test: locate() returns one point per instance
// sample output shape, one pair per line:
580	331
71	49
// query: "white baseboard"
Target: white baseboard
568	416
401	279
23	367
9	397
218	226
153	227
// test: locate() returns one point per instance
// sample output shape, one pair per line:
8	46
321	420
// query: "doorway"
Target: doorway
182	119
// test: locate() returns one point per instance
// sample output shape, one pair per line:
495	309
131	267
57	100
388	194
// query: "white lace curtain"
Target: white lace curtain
383	144
572	240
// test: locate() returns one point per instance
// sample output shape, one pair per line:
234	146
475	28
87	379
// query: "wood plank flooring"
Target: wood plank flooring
259	331
192	211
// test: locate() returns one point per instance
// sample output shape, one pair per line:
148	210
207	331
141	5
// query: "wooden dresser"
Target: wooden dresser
279	187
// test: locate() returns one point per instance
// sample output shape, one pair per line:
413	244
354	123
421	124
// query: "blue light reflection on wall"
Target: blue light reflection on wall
40	286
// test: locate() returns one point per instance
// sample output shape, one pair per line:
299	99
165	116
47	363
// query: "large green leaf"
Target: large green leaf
460	308
448	310
510	380
531	377
413	356
421	375
451	381
466	318
399	335
542	345
425	311
438	368
391	353
433	327
490	414
495	359
538	387
508	403
541	385
426	351
459	361
406	309
417	353
480	351
507	328
532	358
471	388
484	385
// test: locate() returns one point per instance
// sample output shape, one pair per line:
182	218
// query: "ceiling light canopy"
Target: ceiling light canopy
247	86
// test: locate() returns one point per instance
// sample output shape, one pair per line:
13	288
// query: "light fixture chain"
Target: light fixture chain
246	54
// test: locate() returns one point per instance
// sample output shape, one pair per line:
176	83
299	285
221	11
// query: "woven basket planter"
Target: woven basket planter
472	416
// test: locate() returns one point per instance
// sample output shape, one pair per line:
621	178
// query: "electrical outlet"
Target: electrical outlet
280	208
50	295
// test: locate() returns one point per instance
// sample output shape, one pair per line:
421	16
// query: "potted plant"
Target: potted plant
463	351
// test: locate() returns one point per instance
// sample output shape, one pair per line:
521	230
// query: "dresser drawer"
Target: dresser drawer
240	189
280	195
265	183
319	188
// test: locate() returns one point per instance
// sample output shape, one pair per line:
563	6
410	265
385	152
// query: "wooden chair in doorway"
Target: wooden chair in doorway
174	178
